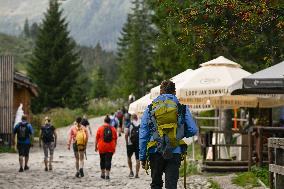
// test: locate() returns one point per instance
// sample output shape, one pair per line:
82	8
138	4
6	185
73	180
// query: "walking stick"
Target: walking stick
184	172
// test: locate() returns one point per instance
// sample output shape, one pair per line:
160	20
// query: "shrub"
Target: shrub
262	173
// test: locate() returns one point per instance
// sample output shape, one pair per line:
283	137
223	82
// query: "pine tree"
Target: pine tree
26	28
135	52
99	87
55	65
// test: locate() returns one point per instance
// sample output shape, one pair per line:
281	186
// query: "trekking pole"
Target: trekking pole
184	171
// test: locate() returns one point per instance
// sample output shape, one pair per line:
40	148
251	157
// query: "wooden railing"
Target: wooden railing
207	141
258	143
276	163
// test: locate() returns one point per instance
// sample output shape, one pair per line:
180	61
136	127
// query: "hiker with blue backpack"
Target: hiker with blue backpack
48	139
24	132
132	144
164	124
105	143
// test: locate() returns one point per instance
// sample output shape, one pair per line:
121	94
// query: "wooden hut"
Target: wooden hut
24	90
15	88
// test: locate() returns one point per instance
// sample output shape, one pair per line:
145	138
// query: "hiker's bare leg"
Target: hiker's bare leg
26	160
81	156
107	172
137	167
77	161
103	172
50	162
21	159
130	163
45	162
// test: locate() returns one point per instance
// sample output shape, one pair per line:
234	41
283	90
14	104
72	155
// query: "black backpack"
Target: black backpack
47	133
134	134
107	134
23	131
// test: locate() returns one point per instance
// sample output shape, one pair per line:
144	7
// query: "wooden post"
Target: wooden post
250	150
213	152
270	158
279	160
6	97
260	147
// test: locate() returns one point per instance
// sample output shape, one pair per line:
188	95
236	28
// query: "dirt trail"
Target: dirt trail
64	168
63	175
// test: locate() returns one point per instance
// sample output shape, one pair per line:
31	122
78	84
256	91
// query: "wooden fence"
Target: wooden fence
276	163
6	97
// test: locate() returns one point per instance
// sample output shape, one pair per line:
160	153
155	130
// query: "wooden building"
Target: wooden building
24	90
15	88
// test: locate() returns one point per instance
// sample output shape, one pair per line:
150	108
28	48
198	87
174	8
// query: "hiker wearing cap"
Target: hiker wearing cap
48	137
105	143
78	137
24	132
132	144
86	124
164	124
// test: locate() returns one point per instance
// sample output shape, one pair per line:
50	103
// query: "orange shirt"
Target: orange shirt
104	147
73	133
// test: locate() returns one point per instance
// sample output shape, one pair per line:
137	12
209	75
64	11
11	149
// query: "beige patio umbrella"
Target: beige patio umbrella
178	80
139	106
212	79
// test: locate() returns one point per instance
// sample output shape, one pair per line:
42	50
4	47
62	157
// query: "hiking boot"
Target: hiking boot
107	178
77	175
136	176
103	176
50	167
46	169
21	169
131	174
81	172
26	168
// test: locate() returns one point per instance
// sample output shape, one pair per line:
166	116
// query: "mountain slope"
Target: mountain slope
90	21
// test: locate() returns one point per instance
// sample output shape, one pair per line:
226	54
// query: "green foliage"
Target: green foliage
19	47
249	32
214	184
197	151
5	149
54	66
27	28
262	173
60	117
210	113
95	59
191	168
99	88
135	51
246	179
98	107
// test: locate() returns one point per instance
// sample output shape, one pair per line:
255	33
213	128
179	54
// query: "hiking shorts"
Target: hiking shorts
23	149
132	149
105	160
48	147
76	150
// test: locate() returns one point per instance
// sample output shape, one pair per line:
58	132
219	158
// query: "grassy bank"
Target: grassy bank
249	179
6	149
61	117
192	166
